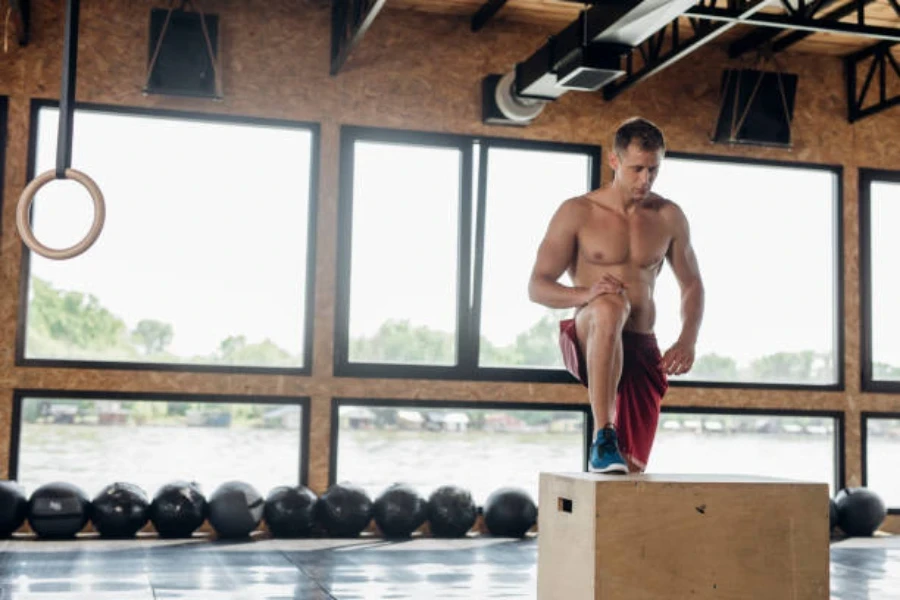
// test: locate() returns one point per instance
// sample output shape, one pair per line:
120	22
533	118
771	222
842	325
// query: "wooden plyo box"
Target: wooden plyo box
643	537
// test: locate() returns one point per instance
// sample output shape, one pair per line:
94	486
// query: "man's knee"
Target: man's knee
606	314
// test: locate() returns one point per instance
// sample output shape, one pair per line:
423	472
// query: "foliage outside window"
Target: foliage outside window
203	259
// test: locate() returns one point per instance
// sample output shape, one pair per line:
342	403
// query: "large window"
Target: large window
438	237
801	447
881	446
767	238
879	247
205	256
94	440
477	448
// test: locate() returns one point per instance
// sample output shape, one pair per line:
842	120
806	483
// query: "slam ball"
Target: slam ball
860	511
290	512
58	510
13	507
178	509
451	511
509	512
235	509
399	511
344	510
120	510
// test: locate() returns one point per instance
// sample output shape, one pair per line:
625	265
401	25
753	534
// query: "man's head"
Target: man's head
637	152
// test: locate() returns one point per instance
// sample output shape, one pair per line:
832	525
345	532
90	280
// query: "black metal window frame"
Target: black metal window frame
838	257
19	396
4	127
840	471
866	178
24	271
470	253
337	403
864	419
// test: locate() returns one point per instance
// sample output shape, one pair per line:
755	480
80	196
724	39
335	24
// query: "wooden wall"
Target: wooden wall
422	72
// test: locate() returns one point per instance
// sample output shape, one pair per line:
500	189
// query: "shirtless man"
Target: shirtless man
613	242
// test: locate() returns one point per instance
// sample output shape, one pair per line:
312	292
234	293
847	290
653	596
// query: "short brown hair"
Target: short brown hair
636	129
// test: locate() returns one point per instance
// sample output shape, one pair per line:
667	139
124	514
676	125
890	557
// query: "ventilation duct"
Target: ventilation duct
584	56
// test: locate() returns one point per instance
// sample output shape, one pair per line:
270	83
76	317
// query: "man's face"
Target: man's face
636	169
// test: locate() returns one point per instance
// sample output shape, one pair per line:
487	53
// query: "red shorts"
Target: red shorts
641	388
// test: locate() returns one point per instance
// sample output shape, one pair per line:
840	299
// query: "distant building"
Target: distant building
503	421
283	417
411	420
357	417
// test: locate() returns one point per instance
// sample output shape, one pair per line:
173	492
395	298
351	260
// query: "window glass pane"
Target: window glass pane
524	189
882	449
765	240
92	443
404	265
478	449
790	447
203	256
884	214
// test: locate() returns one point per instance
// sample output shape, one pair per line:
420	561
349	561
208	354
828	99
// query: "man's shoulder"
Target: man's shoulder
664	206
575	205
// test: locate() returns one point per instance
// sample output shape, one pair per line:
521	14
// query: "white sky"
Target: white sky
885	215
206	225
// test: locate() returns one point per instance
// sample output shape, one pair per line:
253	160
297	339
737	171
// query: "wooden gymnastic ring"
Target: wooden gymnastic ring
24	208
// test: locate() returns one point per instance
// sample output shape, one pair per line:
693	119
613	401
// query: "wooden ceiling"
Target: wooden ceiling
559	13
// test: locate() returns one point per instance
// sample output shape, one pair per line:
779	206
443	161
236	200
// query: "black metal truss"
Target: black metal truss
798	22
485	13
762	36
882	62
655	59
20	14
350	19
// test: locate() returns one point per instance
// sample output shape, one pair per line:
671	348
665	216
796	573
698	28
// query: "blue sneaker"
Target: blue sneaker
605	456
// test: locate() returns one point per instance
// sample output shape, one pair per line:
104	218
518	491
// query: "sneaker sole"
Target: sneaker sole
623	469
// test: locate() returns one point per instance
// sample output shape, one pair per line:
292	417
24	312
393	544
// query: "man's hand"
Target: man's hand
678	359
607	285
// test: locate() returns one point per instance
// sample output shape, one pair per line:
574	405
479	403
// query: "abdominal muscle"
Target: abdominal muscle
639	283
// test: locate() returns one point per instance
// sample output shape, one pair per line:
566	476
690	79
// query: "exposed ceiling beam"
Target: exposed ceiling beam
350	19
21	18
704	32
788	40
783	21
762	35
486	13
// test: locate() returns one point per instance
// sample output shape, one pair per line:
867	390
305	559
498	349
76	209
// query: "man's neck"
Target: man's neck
621	199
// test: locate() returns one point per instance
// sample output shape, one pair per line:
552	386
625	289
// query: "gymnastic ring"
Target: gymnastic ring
24	207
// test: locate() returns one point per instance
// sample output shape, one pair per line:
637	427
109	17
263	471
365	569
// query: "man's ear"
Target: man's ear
613	160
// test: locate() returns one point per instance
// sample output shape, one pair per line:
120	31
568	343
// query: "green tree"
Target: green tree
152	335
882	370
401	342
784	366
235	350
539	345
491	355
61	323
715	366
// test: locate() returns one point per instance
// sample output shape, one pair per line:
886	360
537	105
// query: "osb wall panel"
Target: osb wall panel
421	72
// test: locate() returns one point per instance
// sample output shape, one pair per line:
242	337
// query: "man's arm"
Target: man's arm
555	254
683	261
